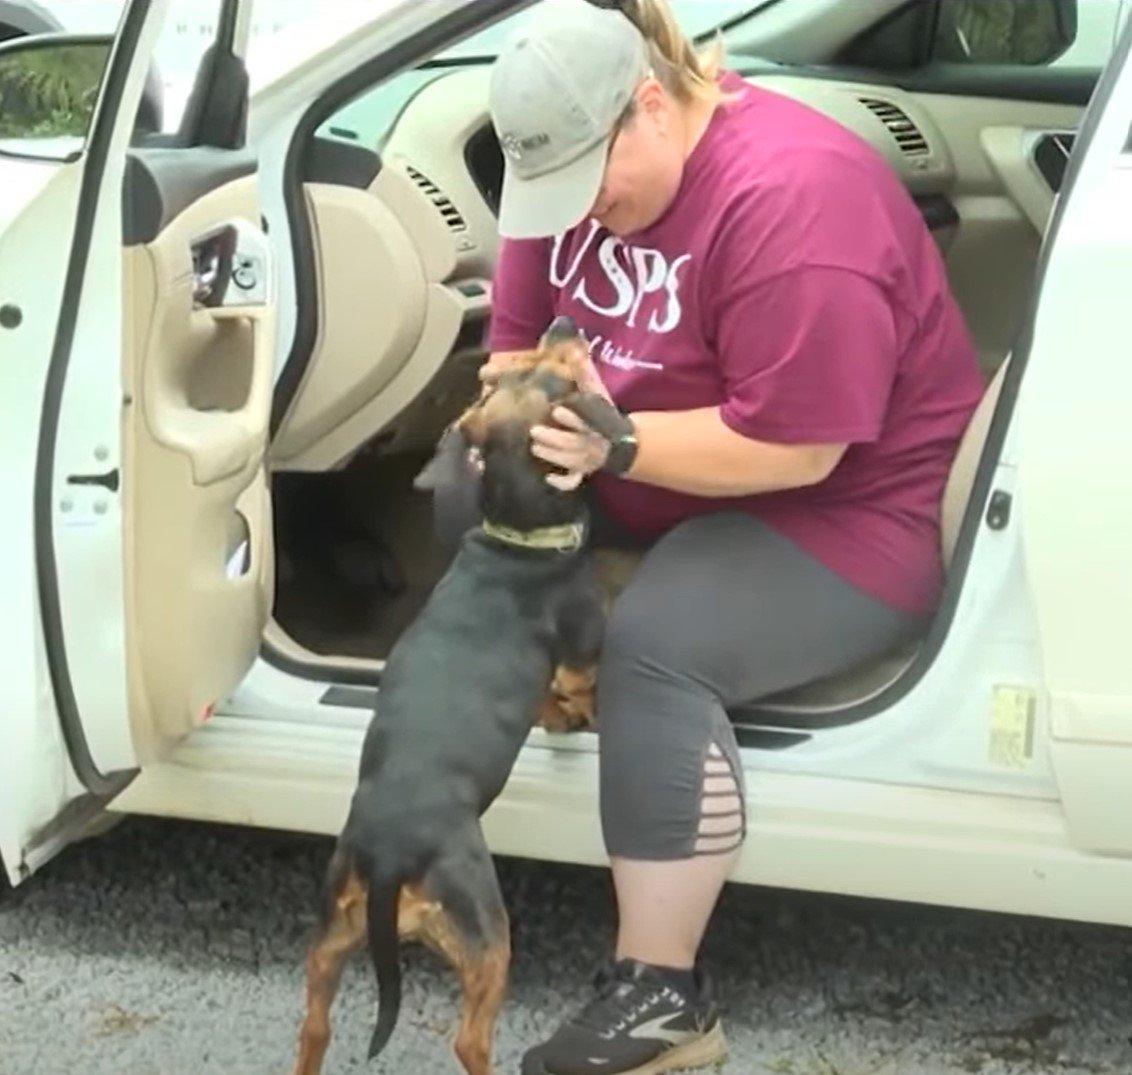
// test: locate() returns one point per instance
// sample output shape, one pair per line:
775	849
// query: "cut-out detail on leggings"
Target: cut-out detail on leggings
721	806
709	845
723	824
714	785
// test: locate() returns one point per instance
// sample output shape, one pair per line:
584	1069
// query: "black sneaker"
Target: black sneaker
637	1024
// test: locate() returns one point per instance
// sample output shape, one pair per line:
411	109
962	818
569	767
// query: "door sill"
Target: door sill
856	838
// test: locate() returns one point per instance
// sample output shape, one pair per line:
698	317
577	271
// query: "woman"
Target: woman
766	305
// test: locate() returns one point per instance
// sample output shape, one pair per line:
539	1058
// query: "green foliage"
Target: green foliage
51	91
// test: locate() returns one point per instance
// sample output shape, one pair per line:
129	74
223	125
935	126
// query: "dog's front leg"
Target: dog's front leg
581	629
569	707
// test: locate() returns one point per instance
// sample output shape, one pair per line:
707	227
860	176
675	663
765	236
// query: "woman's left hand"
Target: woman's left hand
575	449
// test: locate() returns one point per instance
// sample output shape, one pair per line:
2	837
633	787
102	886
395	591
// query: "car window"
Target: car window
369	118
1029	33
188	31
1003	31
696	18
990	33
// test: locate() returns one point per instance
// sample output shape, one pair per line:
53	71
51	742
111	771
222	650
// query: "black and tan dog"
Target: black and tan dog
509	637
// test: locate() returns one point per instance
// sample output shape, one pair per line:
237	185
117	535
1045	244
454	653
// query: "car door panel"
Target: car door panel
162	183
70	743
1015	155
197	376
1003	207
1077	575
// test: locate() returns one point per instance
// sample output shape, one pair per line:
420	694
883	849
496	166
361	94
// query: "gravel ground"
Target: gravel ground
173	949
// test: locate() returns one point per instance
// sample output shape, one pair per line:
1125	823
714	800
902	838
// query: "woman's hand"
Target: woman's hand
570	444
575	449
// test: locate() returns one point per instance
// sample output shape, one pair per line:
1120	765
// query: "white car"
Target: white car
221	364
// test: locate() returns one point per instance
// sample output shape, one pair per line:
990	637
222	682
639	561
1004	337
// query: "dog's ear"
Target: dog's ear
599	414
473	425
448	464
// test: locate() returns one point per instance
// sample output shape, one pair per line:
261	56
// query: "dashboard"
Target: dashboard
445	135
396	292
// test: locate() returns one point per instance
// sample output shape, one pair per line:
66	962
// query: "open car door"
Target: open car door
138	326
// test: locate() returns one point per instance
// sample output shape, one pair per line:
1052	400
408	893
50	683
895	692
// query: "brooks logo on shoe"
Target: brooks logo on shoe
657	1030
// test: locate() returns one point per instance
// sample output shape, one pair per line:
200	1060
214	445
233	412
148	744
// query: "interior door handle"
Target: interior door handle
230	267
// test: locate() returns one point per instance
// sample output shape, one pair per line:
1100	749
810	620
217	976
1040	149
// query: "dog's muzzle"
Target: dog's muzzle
561	329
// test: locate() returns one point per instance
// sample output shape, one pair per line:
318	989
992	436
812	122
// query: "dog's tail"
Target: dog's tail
384	950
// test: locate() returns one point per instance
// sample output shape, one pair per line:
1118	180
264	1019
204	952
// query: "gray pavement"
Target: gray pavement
173	949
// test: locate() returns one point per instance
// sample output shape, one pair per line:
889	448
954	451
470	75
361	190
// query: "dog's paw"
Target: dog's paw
558	718
569	707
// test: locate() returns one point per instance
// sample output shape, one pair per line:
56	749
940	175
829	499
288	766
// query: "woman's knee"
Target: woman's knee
671	780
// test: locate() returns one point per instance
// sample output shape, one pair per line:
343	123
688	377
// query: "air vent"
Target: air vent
1051	157
908	137
451	215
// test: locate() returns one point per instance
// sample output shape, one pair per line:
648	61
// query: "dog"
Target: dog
509	637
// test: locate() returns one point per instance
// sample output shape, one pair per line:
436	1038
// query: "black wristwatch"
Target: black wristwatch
605	419
622	451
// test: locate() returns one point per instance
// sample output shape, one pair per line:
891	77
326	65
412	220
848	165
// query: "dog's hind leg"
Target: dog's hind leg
342	932
466	923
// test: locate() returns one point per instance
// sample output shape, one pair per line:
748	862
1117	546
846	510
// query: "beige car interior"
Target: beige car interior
404	270
197	380
380	347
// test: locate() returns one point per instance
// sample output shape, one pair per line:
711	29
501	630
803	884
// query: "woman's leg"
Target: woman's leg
722	610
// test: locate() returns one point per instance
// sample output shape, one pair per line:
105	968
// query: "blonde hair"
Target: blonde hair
681	70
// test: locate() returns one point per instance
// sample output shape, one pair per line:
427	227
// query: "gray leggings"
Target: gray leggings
722	611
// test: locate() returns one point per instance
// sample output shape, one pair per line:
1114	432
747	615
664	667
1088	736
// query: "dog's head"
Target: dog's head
514	490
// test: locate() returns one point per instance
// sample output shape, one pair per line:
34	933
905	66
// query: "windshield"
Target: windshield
696	17
369	118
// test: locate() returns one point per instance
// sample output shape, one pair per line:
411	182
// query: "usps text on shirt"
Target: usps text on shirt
644	281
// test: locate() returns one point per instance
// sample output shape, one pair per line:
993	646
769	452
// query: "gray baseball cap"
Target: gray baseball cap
558	88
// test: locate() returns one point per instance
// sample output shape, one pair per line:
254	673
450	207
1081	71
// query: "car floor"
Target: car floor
356	556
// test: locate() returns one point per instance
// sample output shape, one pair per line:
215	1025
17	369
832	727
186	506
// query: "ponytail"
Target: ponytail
683	72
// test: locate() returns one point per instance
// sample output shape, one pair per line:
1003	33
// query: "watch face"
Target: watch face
621	456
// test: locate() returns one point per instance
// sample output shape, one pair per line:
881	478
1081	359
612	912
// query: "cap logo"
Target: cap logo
516	147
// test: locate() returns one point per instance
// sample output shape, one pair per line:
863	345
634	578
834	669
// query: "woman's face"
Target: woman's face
645	166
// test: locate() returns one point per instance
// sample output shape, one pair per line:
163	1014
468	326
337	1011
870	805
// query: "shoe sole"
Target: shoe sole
710	1049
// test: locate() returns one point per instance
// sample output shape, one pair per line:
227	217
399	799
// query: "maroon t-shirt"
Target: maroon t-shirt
793	285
